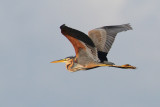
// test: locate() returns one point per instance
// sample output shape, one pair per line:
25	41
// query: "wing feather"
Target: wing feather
83	45
76	44
104	37
65	30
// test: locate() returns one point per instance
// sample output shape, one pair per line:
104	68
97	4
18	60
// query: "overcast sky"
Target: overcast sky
30	38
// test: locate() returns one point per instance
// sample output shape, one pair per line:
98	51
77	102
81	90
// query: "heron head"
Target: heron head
71	65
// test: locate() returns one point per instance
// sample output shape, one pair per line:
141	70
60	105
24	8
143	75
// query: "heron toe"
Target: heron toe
128	66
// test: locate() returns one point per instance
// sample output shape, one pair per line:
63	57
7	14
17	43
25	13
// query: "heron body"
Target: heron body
91	50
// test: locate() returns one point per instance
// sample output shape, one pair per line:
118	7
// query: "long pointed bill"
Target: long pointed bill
58	61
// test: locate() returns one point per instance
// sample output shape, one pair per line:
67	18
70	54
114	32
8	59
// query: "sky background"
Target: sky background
30	38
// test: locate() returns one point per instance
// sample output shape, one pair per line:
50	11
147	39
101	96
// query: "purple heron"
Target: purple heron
91	50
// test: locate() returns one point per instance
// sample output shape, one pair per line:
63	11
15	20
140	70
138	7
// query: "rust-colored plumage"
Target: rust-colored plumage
91	50
76	44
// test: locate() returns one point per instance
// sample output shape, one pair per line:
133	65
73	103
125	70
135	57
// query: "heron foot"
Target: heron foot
126	66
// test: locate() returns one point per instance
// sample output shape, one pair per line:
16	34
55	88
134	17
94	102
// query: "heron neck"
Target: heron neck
70	64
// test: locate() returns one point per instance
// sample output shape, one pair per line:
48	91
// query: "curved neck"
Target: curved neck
70	64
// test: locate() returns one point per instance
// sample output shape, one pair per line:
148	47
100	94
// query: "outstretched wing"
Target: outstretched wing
84	47
104	37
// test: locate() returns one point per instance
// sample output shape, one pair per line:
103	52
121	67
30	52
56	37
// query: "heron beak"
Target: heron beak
58	61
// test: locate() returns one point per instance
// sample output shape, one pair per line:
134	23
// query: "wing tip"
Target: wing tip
62	26
127	26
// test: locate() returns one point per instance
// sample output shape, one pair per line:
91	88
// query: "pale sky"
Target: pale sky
30	38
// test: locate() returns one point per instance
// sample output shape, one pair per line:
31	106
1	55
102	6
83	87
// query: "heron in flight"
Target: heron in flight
91	50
